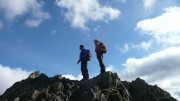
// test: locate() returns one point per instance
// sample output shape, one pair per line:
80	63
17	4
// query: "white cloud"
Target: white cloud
113	69
110	68
18	8
141	46
79	12
148	4
165	28
9	76
1	24
125	48
145	45
161	68
71	77
33	22
13	8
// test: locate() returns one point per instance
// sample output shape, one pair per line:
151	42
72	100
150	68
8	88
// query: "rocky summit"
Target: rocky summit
103	87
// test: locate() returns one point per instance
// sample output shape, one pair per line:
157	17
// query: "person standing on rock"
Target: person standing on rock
100	49
83	60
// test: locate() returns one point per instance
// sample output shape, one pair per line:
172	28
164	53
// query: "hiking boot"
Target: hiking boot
102	71
82	80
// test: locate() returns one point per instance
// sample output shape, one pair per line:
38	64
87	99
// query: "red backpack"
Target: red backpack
103	47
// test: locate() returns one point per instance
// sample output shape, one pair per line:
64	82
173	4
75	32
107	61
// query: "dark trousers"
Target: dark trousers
84	70
100	59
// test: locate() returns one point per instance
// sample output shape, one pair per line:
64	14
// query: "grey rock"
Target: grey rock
103	87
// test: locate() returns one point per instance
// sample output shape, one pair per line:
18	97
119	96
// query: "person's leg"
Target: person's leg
99	57
84	70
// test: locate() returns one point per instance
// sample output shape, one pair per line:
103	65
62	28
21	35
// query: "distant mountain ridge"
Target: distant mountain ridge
103	87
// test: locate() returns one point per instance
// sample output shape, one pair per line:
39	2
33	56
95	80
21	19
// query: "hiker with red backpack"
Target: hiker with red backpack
100	49
83	58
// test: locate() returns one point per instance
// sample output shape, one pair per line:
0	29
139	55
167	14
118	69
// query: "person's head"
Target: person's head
95	41
81	47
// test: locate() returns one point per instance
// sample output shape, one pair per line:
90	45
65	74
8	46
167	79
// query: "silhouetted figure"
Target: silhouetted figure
83	60
100	49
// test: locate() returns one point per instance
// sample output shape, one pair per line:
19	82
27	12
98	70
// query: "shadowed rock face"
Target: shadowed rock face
104	87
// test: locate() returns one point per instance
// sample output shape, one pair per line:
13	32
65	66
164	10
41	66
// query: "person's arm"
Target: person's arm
80	59
82	56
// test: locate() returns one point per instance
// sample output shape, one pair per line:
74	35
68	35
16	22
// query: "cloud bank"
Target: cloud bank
9	76
165	28
79	12
161	68
141	46
13	9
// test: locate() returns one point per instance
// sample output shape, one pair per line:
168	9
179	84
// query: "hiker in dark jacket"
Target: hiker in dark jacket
83	60
99	54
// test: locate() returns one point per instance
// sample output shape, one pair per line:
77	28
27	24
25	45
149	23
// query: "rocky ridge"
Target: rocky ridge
103	87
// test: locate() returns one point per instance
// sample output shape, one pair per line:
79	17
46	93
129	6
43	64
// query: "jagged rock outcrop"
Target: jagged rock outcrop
104	87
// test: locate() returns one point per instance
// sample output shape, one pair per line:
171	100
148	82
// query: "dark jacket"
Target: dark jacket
83	55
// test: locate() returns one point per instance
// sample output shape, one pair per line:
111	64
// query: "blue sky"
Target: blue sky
142	37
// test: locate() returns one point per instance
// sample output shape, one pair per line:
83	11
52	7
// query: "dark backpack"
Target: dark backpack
103	48
89	55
